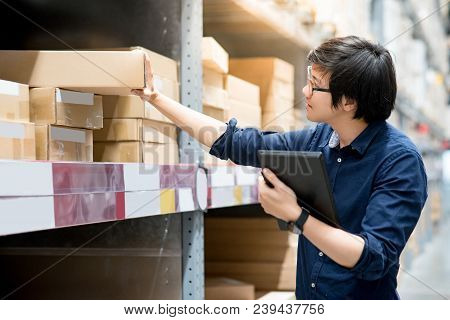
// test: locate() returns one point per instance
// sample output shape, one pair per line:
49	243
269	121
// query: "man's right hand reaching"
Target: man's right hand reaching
150	92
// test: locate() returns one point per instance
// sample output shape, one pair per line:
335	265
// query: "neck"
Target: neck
348	130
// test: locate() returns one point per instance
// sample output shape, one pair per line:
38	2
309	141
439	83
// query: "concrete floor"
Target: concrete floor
429	274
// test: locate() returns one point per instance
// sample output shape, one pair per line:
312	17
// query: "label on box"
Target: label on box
12	130
158	83
9	88
65	134
73	97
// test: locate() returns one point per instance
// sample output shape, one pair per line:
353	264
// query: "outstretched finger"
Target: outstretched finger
148	72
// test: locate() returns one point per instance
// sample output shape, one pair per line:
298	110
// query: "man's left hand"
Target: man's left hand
280	201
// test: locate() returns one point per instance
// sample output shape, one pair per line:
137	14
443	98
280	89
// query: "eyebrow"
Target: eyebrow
317	80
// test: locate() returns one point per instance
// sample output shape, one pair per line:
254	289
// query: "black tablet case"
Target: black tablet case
305	173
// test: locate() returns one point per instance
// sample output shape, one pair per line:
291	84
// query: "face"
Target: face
319	106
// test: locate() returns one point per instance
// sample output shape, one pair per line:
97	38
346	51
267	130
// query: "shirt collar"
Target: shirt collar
362	141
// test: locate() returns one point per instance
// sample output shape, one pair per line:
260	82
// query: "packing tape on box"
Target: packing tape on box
9	88
72	97
12	130
66	134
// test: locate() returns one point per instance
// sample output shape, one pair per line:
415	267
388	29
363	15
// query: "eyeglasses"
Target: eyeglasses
311	89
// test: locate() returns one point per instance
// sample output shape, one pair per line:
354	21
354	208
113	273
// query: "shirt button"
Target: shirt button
313	285
339	160
320	253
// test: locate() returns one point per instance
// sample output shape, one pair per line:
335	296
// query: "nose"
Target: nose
306	92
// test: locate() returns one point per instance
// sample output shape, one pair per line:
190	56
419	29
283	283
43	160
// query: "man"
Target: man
376	174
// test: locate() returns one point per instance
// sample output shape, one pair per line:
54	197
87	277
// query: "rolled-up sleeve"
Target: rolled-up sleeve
398	197
240	145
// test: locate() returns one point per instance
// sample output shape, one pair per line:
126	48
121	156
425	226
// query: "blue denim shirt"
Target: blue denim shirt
379	186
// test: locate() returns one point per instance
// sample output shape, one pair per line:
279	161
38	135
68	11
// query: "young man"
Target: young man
376	174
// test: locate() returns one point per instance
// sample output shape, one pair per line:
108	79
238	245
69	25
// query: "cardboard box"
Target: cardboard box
241	224
265	67
250	253
213	78
228	289
63	144
265	276
215	97
253	237
153	153
279	121
131	107
214	56
101	72
66	108
17	141
273	87
277	104
247	115
217	113
242	90
136	130
14	101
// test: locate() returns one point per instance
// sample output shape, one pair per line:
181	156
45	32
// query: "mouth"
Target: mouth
308	106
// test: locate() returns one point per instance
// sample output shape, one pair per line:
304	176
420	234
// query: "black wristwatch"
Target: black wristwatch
297	226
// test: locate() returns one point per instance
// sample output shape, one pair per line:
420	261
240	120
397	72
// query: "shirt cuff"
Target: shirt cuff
371	264
218	149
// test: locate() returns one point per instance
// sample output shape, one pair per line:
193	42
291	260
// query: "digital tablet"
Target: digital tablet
305	173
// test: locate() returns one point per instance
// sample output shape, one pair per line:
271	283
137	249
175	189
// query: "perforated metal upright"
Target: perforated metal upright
193	277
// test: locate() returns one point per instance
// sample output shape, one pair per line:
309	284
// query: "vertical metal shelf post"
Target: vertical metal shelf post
190	152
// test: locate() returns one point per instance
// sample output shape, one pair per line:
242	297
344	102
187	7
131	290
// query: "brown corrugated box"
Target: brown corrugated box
213	78
131	107
264	66
265	276
63	144
14	101
228	289
214	56
102	72
273	87
136	130
134	151
66	108
241	90
217	113
248	115
279	121
251	249
215	97
17	141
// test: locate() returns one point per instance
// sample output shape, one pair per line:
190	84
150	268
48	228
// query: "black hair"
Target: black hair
358	70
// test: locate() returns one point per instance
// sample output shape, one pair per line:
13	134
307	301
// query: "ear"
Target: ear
349	105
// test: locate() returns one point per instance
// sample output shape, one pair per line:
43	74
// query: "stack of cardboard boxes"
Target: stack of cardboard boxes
252	250
16	132
134	130
64	123
226	96
66	105
275	78
220	288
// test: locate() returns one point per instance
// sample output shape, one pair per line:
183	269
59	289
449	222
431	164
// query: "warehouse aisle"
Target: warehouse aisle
431	268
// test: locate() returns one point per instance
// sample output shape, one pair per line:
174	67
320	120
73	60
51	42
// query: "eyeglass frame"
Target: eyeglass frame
309	78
